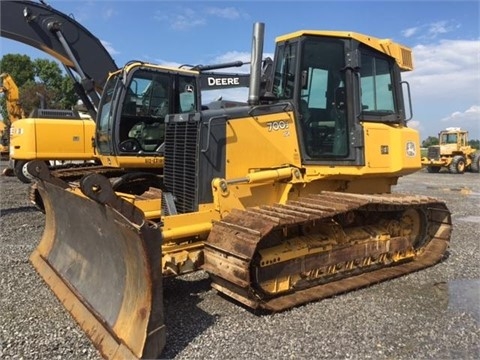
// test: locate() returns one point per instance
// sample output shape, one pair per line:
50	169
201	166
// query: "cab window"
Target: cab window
323	102
376	84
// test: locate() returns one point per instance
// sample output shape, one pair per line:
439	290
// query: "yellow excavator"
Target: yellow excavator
50	134
3	141
282	201
9	88
65	135
53	135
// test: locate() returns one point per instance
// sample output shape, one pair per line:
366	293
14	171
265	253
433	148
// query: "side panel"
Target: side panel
391	149
72	142
52	139
260	142
271	141
22	140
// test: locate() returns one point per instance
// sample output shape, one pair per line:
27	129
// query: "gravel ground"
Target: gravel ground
431	314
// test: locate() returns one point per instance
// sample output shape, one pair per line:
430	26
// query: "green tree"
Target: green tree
68	97
41	82
474	144
429	141
48	73
20	67
34	95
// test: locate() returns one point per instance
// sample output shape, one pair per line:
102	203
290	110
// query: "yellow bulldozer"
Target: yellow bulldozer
452	153
282	201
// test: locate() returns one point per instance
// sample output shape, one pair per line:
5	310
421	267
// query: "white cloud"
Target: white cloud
414	124
447	71
431	30
168	63
187	20
438	28
445	85
226	13
110	12
466	118
410	32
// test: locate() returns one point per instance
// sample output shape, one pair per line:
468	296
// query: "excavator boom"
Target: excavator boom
61	36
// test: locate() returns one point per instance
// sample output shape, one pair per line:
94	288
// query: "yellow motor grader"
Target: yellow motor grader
282	201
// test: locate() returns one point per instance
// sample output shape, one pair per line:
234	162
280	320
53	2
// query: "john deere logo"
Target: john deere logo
411	149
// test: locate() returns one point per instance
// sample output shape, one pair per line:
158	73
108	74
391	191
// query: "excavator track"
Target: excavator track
280	256
73	172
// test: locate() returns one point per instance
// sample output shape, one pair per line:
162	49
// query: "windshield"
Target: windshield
151	94
449	139
131	116
284	80
104	117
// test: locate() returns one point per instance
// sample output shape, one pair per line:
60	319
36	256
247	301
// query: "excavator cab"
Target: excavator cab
136	99
132	109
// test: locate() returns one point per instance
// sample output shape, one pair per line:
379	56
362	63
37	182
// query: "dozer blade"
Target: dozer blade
102	261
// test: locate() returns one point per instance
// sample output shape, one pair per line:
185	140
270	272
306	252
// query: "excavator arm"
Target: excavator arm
10	89
61	36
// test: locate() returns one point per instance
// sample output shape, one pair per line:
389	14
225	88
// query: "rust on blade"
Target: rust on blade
105	272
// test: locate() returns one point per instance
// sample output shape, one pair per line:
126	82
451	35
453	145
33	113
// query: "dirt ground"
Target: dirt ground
430	314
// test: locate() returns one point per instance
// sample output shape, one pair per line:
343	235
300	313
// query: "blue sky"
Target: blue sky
444	36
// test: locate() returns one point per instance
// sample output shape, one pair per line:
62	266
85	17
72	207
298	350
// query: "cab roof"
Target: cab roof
401	53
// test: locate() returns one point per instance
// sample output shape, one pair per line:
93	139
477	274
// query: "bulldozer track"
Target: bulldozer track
308	244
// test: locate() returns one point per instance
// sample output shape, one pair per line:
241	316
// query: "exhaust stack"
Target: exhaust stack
256	63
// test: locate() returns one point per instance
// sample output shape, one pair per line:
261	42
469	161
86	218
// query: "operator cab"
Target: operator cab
336	83
132	111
